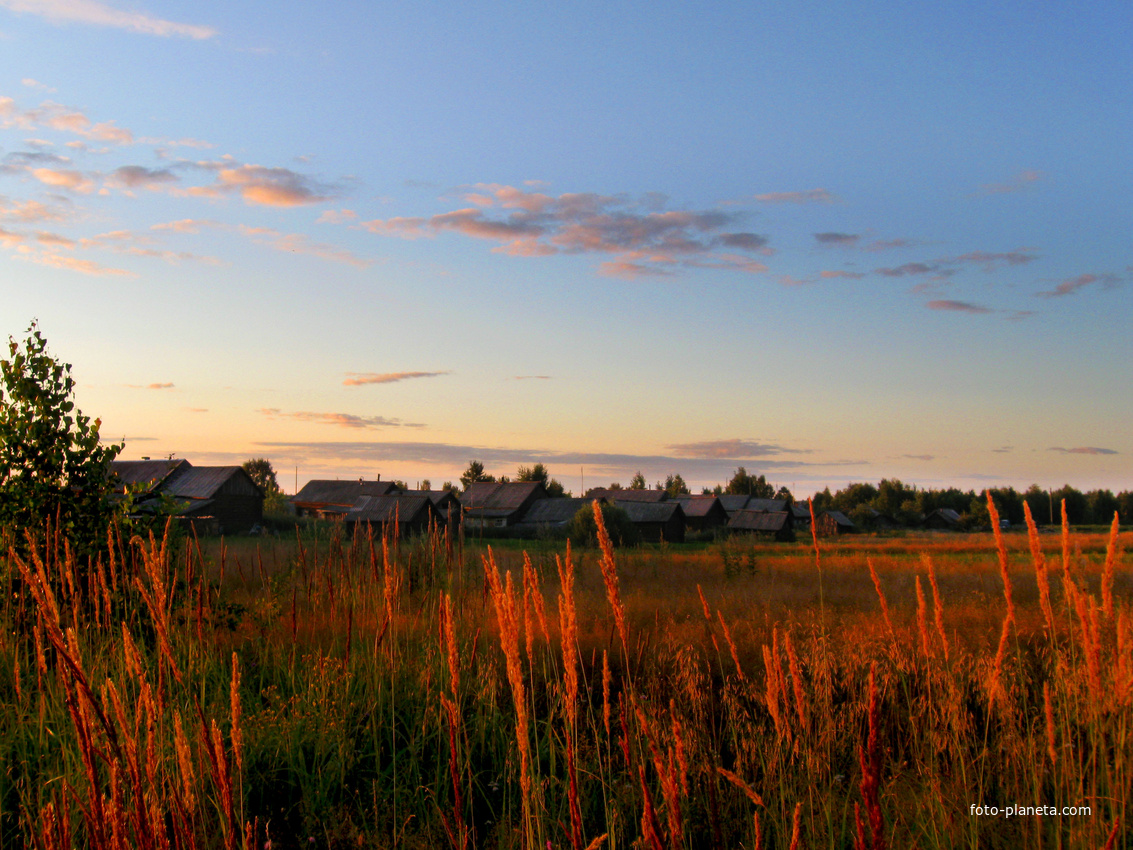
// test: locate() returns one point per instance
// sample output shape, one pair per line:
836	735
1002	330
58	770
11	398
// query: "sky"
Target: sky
825	241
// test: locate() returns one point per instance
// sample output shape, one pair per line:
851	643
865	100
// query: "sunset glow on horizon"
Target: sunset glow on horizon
826	242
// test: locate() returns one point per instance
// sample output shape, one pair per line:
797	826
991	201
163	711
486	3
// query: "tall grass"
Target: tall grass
419	693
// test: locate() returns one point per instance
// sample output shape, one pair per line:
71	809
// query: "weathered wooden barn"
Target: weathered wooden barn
224	495
446	503
495	504
624	495
551	516
406	514
703	513
656	521
831	523
324	498
775	524
214	499
943	518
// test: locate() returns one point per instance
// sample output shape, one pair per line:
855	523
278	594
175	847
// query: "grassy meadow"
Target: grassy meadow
316	691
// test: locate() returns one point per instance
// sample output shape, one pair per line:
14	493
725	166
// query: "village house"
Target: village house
322	498
775	524
398	513
703	513
214	499
495	504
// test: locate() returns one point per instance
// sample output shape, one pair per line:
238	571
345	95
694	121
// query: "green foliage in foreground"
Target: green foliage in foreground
53	467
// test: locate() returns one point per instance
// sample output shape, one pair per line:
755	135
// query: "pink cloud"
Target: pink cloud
1068	287
957	306
358	379
341	420
273	187
814	196
99	14
1084	450
76	181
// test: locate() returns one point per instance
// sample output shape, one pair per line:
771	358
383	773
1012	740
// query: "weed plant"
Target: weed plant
370	692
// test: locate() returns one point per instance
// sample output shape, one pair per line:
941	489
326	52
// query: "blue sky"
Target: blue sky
825	241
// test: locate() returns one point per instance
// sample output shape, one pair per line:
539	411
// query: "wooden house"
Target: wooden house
831	523
623	495
656	521
703	513
214	499
333	498
445	501
406	514
223	498
551	516
943	518
494	504
775	524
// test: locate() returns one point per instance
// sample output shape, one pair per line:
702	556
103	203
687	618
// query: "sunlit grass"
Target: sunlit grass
322	691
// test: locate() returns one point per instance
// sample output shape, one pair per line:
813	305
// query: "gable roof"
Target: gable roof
758	520
839	518
698	506
651	511
203	482
627	495
733	502
505	496
405	509
345	493
128	473
554	511
771	505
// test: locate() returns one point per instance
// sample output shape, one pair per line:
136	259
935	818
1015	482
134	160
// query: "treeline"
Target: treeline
893	501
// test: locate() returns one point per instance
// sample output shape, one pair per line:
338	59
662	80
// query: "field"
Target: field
321	692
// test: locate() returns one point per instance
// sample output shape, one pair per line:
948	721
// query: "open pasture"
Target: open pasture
325	692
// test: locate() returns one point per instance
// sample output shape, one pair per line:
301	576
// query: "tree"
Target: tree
538	472
53	466
260	470
474	473
583	530
637	482
743	484
674	486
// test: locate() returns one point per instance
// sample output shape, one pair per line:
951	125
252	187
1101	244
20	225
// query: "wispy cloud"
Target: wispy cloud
642	237
531	378
100	14
28	211
925	458
830	275
36	84
737	449
258	185
844	239
1072	285
908	269
139	177
1016	184
1083	450
813	196
958	306
359	379
157	386
75	264
342	420
499	459
62	118
299	243
64	178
